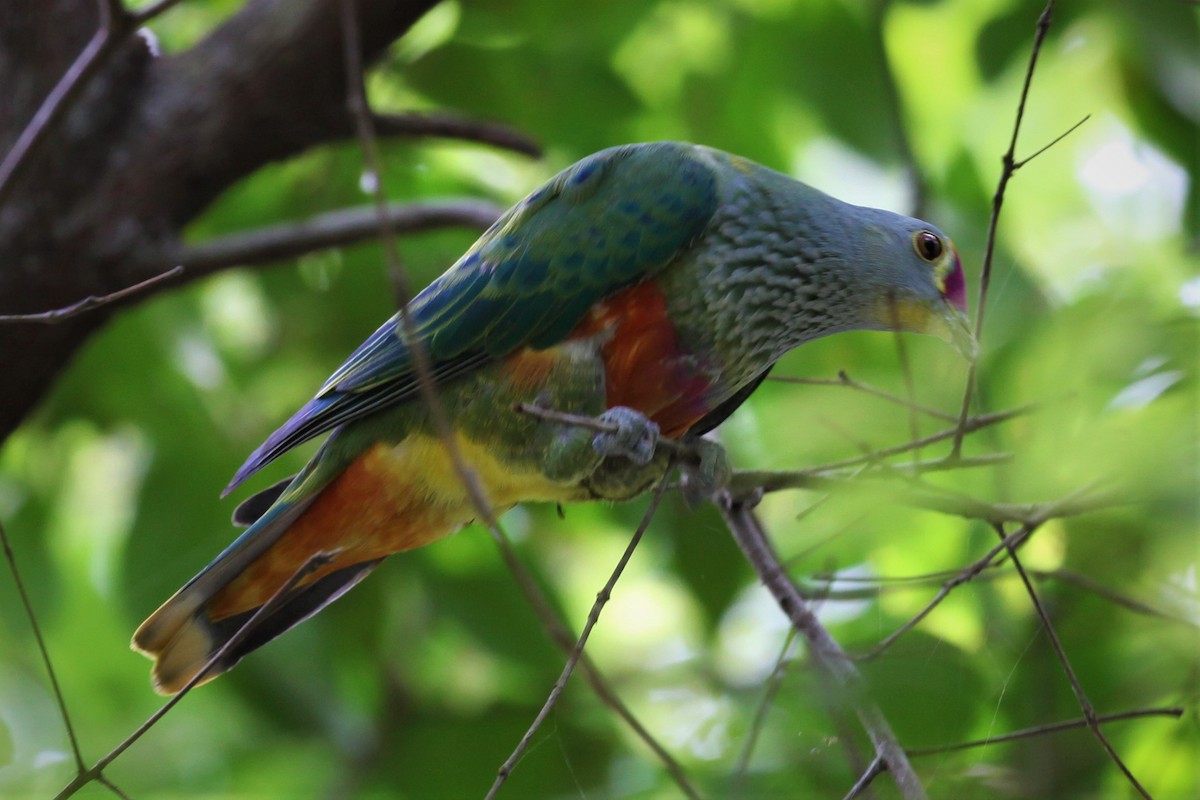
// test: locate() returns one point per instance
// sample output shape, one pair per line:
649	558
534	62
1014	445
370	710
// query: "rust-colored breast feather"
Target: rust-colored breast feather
646	367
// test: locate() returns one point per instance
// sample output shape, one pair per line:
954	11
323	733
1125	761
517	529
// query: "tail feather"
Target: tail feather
198	638
177	635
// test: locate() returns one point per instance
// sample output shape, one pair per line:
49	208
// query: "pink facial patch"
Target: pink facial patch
955	287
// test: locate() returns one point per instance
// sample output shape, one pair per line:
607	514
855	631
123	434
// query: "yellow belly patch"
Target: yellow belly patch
389	500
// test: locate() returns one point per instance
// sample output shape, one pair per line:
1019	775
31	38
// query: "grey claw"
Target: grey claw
635	437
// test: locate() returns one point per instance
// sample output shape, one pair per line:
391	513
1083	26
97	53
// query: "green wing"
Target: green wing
612	220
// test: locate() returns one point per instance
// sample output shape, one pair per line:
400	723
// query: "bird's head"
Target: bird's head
916	282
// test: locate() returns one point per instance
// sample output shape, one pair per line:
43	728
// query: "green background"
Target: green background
420	682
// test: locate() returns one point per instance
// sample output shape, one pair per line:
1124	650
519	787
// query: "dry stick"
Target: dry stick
1041	730
90	302
828	655
362	113
41	643
94	772
115	25
331	229
602	598
1089	712
844	379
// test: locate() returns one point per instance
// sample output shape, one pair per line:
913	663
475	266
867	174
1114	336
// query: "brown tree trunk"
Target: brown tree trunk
146	145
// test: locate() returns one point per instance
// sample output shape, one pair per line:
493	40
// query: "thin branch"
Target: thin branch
894	107
103	42
1053	142
972	424
1089	711
876	768
593	617
90	302
1015	539
566	642
826	653
148	13
85	776
1042	730
844	379
450	126
41	644
1009	167
361	112
332	229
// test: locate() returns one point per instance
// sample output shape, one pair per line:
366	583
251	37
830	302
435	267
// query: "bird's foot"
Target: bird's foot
709	475
635	438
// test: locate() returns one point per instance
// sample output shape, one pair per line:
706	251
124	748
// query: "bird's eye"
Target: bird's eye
928	245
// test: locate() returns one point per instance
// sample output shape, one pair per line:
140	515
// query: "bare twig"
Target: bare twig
894	106
42	649
826	653
85	776
91	302
360	110
1089	711
1042	730
593	617
566	642
844	379
332	229
1015	539
873	771
450	126
1009	168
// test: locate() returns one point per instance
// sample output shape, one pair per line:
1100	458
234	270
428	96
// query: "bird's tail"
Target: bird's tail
378	504
188	630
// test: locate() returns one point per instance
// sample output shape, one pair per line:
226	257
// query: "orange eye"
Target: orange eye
928	245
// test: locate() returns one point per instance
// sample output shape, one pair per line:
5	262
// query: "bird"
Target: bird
651	286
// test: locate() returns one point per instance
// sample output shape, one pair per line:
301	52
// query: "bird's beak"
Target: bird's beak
953	326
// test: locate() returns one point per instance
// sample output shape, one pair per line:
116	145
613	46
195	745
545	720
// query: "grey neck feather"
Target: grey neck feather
771	272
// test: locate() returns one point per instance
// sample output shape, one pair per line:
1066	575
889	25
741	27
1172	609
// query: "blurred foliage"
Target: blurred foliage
419	683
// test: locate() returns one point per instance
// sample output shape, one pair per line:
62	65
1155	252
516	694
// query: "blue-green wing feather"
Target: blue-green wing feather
605	223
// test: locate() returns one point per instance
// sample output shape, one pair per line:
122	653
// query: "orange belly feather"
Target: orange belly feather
645	366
